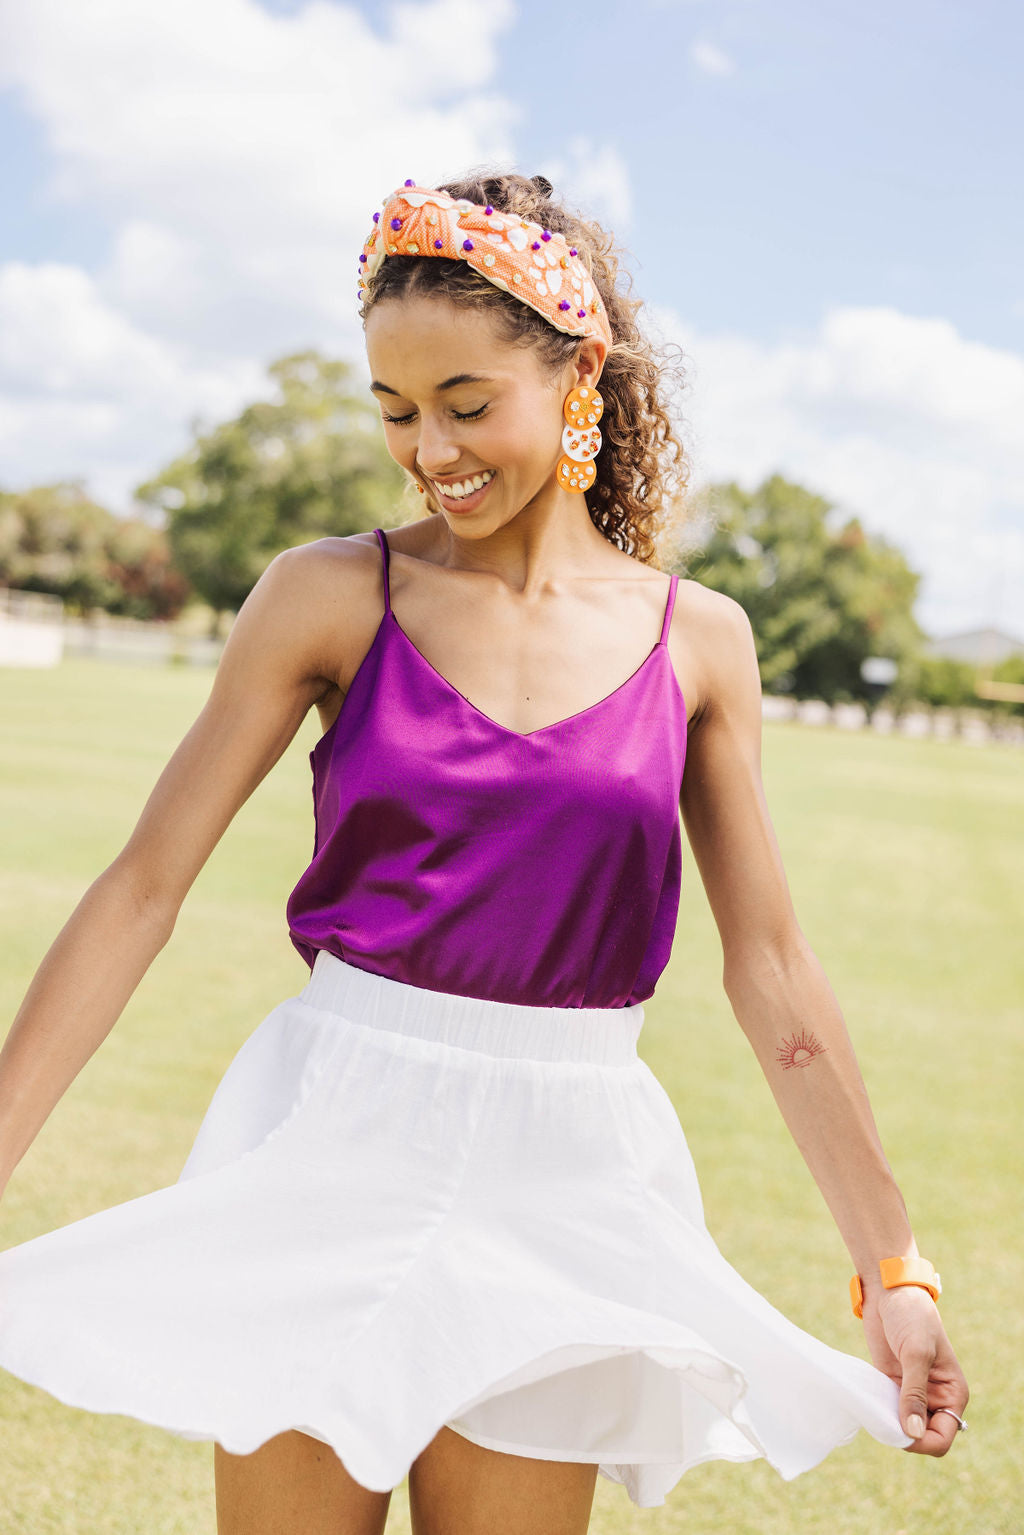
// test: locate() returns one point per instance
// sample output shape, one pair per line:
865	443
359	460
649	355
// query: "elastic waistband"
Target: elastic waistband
606	1035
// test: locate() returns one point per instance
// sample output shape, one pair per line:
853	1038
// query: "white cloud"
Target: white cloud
236	155
710	59
897	419
84	392
153	269
237	158
594	177
244	153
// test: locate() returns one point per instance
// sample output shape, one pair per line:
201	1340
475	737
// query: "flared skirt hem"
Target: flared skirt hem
386	1226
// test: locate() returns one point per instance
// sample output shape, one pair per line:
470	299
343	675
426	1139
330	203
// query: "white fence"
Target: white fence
35	631
31	632
136	639
974	725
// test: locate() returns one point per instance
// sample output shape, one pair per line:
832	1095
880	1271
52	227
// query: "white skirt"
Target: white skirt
405	1209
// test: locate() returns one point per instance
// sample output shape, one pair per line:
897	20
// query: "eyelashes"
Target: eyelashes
470	415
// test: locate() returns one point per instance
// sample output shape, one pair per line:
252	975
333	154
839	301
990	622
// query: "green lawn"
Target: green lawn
906	861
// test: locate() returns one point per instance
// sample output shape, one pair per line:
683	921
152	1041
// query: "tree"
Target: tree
283	472
149	585
820	599
54	538
872	590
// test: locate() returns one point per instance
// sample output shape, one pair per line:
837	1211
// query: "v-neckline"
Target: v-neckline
528	735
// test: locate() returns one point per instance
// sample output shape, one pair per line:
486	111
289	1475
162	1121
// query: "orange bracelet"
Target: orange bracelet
898	1271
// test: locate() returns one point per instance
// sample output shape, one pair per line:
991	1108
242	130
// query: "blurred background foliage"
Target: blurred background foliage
823	595
53	538
310	464
820	600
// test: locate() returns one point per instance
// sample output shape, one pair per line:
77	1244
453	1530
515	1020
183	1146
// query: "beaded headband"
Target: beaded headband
536	265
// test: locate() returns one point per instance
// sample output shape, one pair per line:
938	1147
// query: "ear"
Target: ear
590	361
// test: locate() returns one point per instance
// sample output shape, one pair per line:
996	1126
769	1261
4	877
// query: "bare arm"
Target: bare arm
269	675
788	1011
774	982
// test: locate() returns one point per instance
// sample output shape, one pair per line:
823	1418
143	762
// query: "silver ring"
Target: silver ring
961	1423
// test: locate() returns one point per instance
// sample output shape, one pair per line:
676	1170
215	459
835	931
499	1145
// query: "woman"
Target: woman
439	1216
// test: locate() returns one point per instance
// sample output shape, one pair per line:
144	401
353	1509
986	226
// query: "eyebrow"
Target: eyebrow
449	383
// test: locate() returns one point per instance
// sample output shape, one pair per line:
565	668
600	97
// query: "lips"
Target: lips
457	481
463	503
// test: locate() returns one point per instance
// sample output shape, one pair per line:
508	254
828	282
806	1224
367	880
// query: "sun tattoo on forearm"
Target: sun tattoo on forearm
800	1050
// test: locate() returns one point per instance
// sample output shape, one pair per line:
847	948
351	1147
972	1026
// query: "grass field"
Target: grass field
906	861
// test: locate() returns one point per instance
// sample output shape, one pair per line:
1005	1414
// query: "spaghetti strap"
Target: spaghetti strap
386	555
670	604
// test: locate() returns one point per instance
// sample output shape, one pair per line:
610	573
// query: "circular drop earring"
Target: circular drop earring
581	440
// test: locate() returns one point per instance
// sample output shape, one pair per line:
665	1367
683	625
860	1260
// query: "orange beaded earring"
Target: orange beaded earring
581	440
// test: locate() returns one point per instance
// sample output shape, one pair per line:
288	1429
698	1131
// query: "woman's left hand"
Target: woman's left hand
908	1343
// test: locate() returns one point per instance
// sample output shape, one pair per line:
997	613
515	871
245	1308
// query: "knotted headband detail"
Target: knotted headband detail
534	264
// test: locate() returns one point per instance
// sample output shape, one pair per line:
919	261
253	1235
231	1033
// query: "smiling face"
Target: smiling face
500	414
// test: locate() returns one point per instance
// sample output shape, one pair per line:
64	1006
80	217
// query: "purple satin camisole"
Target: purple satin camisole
455	854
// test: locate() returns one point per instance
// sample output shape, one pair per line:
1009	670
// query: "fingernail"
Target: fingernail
915	1425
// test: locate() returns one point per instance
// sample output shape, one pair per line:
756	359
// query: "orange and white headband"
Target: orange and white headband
536	265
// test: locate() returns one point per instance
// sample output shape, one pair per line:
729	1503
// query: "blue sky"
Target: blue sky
821	203
858	154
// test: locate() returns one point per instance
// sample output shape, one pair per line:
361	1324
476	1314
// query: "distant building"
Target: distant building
978	647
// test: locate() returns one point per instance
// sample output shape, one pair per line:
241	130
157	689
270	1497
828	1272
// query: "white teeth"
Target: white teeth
466	487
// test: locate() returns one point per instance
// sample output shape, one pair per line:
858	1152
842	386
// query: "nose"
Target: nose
436	449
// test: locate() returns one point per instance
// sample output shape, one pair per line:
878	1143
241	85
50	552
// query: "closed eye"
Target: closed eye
470	415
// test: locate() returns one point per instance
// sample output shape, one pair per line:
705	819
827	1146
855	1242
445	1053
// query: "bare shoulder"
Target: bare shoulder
355	559
330	567
711	641
309	618
333	584
710	618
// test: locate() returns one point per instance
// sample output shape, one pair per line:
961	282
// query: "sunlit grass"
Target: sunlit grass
905	859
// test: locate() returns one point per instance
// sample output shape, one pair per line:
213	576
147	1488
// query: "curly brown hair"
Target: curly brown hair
643	469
